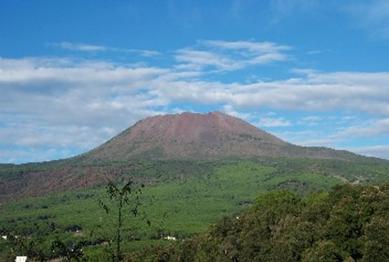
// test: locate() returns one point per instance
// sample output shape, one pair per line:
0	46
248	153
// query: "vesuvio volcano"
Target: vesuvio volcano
201	136
174	145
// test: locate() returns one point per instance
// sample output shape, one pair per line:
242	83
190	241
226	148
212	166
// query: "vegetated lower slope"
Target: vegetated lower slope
171	140
350	223
178	206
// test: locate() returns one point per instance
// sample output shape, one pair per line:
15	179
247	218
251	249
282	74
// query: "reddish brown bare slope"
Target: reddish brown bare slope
200	136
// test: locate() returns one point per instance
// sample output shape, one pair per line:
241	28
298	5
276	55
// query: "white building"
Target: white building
170	238
21	259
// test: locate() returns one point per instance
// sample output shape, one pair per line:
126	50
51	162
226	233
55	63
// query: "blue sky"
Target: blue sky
75	73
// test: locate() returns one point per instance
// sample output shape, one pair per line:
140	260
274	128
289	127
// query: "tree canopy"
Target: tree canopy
350	223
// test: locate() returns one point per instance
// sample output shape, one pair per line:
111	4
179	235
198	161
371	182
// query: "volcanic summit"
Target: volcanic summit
212	135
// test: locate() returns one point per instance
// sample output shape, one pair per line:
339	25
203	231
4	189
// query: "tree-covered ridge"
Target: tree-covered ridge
350	223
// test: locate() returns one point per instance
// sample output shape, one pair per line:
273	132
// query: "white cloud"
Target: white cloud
345	92
308	137
250	46
31	70
31	135
341	137
228	109
196	59
31	154
361	92
381	151
310	120
79	47
82	47
273	122
70	104
146	53
107	85
230	55
367	129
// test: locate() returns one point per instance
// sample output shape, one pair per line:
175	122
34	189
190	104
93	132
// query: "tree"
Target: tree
349	223
122	197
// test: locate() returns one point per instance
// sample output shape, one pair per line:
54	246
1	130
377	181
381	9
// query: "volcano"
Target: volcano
197	136
185	138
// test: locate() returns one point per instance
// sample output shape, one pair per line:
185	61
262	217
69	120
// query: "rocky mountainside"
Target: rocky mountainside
201	136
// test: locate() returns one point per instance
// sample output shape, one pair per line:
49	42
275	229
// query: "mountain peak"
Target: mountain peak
192	115
190	135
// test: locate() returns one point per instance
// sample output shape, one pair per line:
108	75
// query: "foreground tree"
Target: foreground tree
122	197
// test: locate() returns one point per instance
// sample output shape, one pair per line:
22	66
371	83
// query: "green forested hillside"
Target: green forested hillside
180	199
350	223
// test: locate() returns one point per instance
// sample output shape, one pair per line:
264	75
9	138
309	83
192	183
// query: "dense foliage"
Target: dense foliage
351	223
